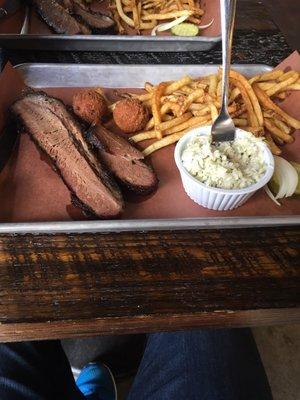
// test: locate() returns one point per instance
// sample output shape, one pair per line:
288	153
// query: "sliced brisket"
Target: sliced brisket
54	131
95	20
124	161
57	16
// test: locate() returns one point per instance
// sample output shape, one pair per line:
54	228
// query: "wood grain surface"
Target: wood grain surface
55	286
74	285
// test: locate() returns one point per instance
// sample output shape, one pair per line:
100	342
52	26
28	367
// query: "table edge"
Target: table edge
13	332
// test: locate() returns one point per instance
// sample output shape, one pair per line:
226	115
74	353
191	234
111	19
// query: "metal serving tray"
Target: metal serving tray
108	43
117	76
40	39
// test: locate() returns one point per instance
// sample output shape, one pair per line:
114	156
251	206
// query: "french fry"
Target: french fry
184	90
269	114
277	140
252	119
168	9
234	94
194	96
194	20
148	87
199	84
148	25
219	89
135	14
167	117
157	93
286	76
266	85
294	86
117	18
274	130
213	82
239	112
255	104
143	97
271	76
274	149
281	125
166	141
178	4
267	103
123	16
268	76
213	111
140	137
196	11
202	110
170	106
174	14
256	130
175	121
282	85
172	87
281	96
194	121
150	124
240	121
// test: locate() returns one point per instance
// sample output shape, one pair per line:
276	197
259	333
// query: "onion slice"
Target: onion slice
270	194
285	177
168	25
207	25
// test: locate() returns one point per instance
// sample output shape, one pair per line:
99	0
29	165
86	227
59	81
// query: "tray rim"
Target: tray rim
106	38
136	225
144	225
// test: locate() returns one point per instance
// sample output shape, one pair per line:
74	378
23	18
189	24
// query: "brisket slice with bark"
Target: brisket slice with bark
55	132
124	161
57	16
95	20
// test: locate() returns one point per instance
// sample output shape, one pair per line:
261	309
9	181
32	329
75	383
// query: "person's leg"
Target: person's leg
36	371
201	365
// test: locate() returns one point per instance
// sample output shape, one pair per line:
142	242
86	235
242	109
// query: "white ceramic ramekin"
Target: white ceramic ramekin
215	198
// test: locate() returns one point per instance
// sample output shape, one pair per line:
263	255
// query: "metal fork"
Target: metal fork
223	129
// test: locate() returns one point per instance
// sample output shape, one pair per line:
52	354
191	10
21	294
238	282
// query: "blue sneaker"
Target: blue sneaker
96	382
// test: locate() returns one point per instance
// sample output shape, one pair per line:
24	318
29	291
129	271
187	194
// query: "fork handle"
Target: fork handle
227	24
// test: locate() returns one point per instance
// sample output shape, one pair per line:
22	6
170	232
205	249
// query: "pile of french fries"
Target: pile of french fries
146	14
178	106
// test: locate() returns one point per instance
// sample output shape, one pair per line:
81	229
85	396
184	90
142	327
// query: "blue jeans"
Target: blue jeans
194	365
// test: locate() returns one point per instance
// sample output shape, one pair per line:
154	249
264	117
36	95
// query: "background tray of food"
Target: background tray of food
34	198
41	36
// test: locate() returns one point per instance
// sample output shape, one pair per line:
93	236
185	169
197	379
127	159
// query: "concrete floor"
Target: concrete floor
279	348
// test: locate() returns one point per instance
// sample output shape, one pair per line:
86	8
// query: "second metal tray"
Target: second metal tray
118	76
108	43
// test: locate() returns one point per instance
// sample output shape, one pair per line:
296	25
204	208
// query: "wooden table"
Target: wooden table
55	286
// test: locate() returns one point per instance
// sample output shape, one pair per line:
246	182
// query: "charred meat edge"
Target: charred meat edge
95	141
75	200
58	18
95	20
